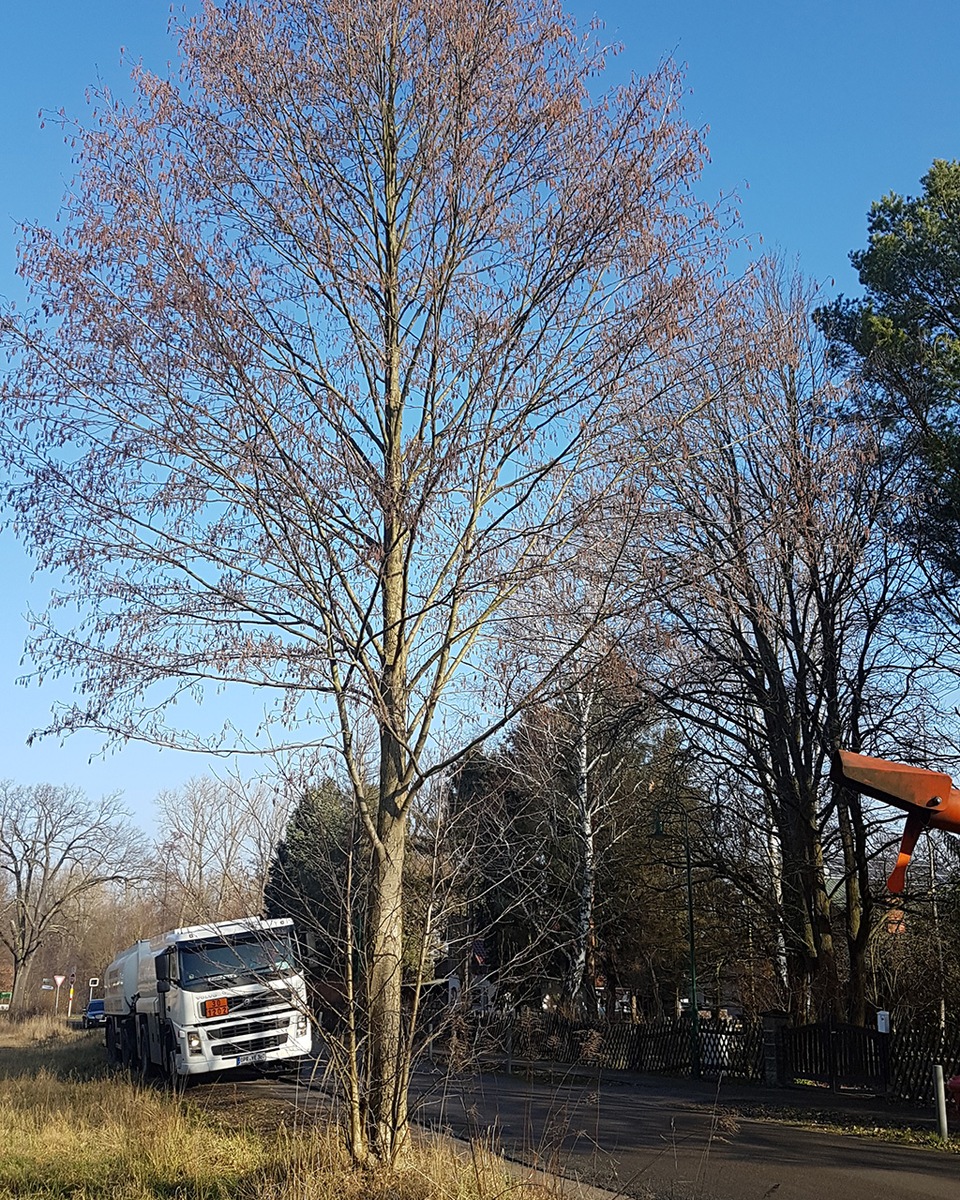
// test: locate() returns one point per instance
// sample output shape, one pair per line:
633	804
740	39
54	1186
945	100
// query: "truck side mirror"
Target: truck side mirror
161	965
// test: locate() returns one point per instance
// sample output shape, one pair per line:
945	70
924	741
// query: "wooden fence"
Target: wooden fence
826	1055
898	1064
730	1048
914	1050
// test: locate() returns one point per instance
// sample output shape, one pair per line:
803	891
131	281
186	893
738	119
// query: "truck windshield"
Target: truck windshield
244	959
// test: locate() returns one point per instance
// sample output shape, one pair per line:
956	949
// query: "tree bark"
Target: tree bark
583	965
387	1106
21	977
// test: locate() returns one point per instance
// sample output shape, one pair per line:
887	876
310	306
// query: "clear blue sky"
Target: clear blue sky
814	110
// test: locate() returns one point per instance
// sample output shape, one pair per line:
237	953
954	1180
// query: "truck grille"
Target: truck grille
230	1049
274	1027
268	999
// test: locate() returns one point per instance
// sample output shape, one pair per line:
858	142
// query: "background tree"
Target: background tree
903	339
325	362
502	876
99	924
785	609
566	757
518	851
309	871
55	846
216	839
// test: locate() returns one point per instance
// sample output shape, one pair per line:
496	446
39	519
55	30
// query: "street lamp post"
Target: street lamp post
675	807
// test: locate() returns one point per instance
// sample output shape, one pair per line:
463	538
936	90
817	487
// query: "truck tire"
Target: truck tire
127	1038
113	1050
176	1082
144	1063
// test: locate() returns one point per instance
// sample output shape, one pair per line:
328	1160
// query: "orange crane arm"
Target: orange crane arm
927	797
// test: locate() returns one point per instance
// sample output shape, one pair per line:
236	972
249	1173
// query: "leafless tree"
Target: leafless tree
326	362
55	846
790	628
570	755
216	840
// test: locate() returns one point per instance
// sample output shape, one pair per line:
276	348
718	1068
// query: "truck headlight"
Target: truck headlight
193	1042
301	1024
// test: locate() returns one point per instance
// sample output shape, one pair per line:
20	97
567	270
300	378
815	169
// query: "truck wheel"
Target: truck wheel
145	1071
128	1046
177	1082
113	1052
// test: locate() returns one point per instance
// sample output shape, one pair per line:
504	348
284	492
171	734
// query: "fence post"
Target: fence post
883	1043
773	1025
941	1099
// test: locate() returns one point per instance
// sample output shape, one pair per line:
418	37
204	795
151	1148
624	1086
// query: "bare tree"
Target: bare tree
327	362
544	830
570	756
216	840
792	625
101	923
55	846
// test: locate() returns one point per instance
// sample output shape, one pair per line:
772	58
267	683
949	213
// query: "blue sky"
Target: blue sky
814	110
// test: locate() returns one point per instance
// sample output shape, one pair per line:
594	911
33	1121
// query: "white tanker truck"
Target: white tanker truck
207	998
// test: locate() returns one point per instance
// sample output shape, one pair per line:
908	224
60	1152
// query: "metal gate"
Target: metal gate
841	1056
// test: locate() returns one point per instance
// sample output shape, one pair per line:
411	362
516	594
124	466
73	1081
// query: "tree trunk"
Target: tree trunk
781	969
814	984
581	981
387	1074
21	978
858	909
389	1066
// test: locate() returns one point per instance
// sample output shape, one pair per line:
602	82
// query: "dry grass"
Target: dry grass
49	1044
68	1129
46	1028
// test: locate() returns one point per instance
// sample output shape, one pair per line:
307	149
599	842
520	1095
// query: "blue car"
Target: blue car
94	1017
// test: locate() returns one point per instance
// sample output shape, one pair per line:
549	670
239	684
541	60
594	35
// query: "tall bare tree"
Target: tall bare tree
325	363
55	846
791	609
570	757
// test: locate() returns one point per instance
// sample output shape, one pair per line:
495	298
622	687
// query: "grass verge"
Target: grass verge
895	1130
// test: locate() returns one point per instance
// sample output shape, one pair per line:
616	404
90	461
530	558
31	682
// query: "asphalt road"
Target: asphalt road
664	1140
652	1141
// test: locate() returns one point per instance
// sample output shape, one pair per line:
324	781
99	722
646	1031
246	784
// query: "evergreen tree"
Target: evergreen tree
903	338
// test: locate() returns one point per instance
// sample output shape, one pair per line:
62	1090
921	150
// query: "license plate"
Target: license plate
251	1058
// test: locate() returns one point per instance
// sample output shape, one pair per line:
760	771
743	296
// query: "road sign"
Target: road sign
58	980
94	982
46	987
